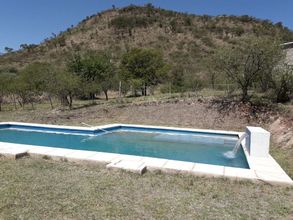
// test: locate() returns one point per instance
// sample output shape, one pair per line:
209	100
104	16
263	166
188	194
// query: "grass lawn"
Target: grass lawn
45	189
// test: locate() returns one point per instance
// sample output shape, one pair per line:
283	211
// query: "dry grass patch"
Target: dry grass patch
45	189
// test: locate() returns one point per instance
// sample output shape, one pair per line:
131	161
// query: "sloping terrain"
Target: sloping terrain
184	38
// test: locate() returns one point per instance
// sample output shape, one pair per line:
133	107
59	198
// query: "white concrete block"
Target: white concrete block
103	157
130	157
154	163
13	153
208	170
268	168
129	165
59	153
257	141
178	166
38	152
239	173
275	178
79	155
4	145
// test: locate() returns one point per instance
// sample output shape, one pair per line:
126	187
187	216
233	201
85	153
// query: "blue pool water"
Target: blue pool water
189	146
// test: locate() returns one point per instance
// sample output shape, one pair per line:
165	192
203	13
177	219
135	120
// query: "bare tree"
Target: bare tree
245	63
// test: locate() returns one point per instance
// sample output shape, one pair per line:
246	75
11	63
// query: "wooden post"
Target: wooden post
120	89
120	93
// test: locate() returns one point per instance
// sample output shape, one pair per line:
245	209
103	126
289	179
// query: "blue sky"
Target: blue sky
31	21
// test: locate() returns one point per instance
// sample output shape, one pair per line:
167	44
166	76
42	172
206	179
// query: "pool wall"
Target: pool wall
263	168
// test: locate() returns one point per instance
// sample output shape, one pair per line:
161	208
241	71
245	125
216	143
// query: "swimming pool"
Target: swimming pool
137	148
181	145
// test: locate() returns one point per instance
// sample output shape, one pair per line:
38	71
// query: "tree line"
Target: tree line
83	76
253	64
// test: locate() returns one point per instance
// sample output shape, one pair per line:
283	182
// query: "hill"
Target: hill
184	38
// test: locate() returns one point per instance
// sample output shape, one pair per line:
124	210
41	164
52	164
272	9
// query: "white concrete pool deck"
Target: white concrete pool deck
264	169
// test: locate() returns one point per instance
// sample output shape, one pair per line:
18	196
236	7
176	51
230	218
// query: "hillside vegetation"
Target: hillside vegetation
140	50
183	38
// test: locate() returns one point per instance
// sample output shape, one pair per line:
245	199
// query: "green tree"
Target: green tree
182	79
248	61
8	49
143	68
22	90
43	78
31	81
5	82
175	79
95	68
67	85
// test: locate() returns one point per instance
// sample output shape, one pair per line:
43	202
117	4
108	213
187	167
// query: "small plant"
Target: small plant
46	157
130	22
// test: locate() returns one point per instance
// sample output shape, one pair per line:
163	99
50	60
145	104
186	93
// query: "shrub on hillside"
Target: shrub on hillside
282	84
129	22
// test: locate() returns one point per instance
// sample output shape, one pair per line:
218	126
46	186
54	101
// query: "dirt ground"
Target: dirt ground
182	112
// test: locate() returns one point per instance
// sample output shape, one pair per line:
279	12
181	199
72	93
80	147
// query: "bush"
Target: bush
129	22
187	21
238	31
175	27
207	41
282	84
181	79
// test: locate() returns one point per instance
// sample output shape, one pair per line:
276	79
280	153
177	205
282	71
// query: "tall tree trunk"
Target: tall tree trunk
145	89
20	103
245	96
282	94
120	89
14	101
70	101
51	103
106	94
92	96
213	83
64	100
1	100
